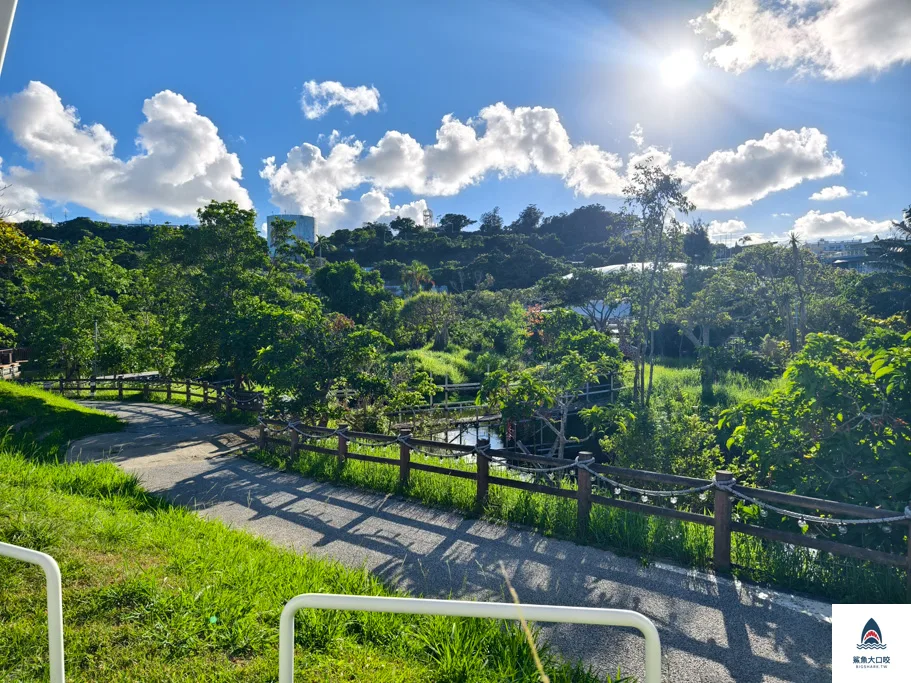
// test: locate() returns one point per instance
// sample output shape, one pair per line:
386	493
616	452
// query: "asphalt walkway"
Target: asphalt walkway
712	629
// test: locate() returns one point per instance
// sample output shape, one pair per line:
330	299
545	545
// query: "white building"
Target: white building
304	227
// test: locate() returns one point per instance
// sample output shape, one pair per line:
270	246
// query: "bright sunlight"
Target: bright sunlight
678	68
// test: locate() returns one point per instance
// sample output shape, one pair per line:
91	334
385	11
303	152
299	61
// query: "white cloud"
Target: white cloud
319	98
637	135
733	178
500	140
835	192
733	227
181	164
815	225
836	39
783	214
20	201
513	142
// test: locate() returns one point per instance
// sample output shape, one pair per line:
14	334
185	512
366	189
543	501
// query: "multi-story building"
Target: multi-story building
850	253
304	227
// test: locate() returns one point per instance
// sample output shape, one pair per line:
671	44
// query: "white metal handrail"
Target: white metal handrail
466	608
54	602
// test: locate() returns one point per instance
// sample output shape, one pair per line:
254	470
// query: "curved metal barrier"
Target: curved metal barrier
54	602
466	608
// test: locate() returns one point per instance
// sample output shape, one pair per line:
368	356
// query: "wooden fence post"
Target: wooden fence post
293	450
404	458
188	392
584	496
722	556
262	436
205	393
218	398
480	501
342	444
61	386
120	389
169	381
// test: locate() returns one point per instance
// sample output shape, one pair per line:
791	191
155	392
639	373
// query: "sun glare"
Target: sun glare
678	68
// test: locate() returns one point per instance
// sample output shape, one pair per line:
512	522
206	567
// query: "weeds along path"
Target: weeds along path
712	630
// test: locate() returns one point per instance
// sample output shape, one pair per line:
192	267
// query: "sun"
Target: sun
679	68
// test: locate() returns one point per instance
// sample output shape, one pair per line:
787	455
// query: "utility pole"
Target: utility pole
95	359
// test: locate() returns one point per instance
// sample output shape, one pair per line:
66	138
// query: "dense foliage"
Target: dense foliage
365	321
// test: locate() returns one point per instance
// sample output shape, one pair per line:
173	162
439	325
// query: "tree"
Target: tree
550	391
528	221
226	289
17	253
71	313
433	313
351	290
405	227
697	245
839	428
310	354
658	198
288	250
491	222
452	224
603	298
414	276
726	302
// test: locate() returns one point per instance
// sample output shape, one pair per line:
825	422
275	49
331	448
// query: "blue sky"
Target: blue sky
598	66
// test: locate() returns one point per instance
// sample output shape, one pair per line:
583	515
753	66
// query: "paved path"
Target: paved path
712	630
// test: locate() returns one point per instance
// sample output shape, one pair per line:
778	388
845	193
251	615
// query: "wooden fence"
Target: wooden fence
219	394
723	488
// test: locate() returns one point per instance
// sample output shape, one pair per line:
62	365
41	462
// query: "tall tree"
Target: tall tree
452	224
414	276
433	312
528	222
351	290
656	198
697	245
491	222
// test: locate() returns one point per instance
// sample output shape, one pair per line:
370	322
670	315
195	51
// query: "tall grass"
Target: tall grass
645	536
153	592
439	364
28	413
731	388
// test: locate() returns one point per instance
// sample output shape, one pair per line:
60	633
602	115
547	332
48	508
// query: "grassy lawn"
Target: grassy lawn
731	388
644	536
153	592
32	414
440	364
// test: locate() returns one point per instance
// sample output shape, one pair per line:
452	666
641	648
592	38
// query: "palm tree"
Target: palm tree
414	276
894	253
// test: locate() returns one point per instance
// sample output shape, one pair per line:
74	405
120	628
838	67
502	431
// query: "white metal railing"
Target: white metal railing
54	602
466	608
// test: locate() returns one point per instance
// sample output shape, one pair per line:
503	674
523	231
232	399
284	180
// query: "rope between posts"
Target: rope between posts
647	492
482	450
811	518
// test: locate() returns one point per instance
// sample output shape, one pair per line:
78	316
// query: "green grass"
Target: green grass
153	592
32	414
731	388
643	536
440	364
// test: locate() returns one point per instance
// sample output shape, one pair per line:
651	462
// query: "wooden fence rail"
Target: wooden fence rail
215	393
586	491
